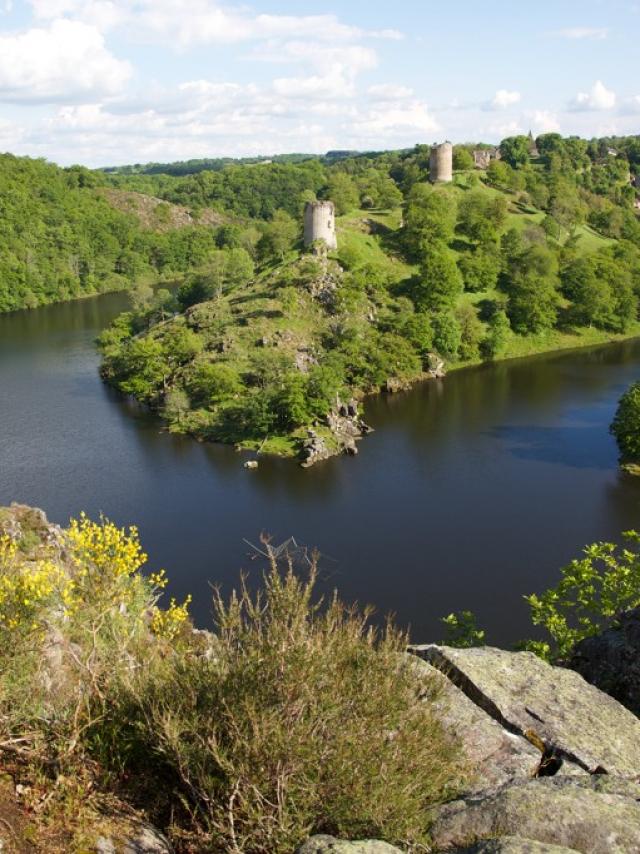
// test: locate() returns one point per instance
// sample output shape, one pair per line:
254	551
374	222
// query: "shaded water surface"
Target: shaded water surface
471	492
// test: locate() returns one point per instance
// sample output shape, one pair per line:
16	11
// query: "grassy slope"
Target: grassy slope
351	233
259	311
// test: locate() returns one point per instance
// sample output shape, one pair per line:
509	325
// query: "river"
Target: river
472	491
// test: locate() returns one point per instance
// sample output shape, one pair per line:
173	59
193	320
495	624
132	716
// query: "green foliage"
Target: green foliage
589	596
481	217
279	236
533	290
515	150
440	281
494	343
626	425
462	630
343	192
462	159
479	269
601	291
471	332
260	740
211	382
430	217
447	335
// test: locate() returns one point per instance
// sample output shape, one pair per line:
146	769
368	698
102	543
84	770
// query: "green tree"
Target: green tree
212	382
626	425
462	159
447	335
515	150
495	342
589	596
479	269
481	217
290	402
238	268
279	236
533	291
470	332
430	217
142	368
343	192
440	282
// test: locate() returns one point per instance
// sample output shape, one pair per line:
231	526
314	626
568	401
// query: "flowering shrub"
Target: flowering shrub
27	587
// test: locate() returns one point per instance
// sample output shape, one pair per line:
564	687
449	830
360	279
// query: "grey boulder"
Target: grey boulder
611	660
592	815
330	845
513	845
551	706
495	754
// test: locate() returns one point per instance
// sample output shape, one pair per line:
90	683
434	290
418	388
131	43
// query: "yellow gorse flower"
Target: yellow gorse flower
104	573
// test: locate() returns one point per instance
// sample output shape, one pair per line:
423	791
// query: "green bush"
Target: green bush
301	719
626	424
589	596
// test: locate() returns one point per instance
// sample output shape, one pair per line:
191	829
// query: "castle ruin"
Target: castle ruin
482	157
320	224
441	163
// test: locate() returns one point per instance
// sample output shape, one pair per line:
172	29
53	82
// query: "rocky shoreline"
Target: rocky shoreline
346	425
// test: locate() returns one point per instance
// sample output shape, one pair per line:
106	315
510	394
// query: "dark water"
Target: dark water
471	492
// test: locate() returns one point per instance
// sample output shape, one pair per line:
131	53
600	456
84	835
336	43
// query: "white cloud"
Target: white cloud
597	98
388	122
203	21
631	106
503	99
501	130
337	69
102	14
544	121
579	33
389	92
65	61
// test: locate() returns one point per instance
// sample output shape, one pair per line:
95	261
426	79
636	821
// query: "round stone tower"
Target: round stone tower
320	223
441	163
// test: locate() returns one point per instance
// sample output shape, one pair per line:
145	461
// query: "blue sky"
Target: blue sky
119	81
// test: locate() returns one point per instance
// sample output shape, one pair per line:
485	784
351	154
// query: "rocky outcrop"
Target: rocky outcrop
29	526
611	660
314	450
330	845
496	754
513	845
592	815
346	427
324	285
578	727
435	366
134	839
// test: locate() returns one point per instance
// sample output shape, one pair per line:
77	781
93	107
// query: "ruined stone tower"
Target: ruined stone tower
320	223
441	163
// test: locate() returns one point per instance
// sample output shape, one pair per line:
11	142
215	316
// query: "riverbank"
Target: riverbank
440	472
518	347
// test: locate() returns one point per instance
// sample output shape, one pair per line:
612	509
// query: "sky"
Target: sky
108	82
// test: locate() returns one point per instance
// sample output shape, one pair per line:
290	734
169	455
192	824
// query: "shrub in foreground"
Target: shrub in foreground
301	718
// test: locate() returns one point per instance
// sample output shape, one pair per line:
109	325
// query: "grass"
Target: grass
248	739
